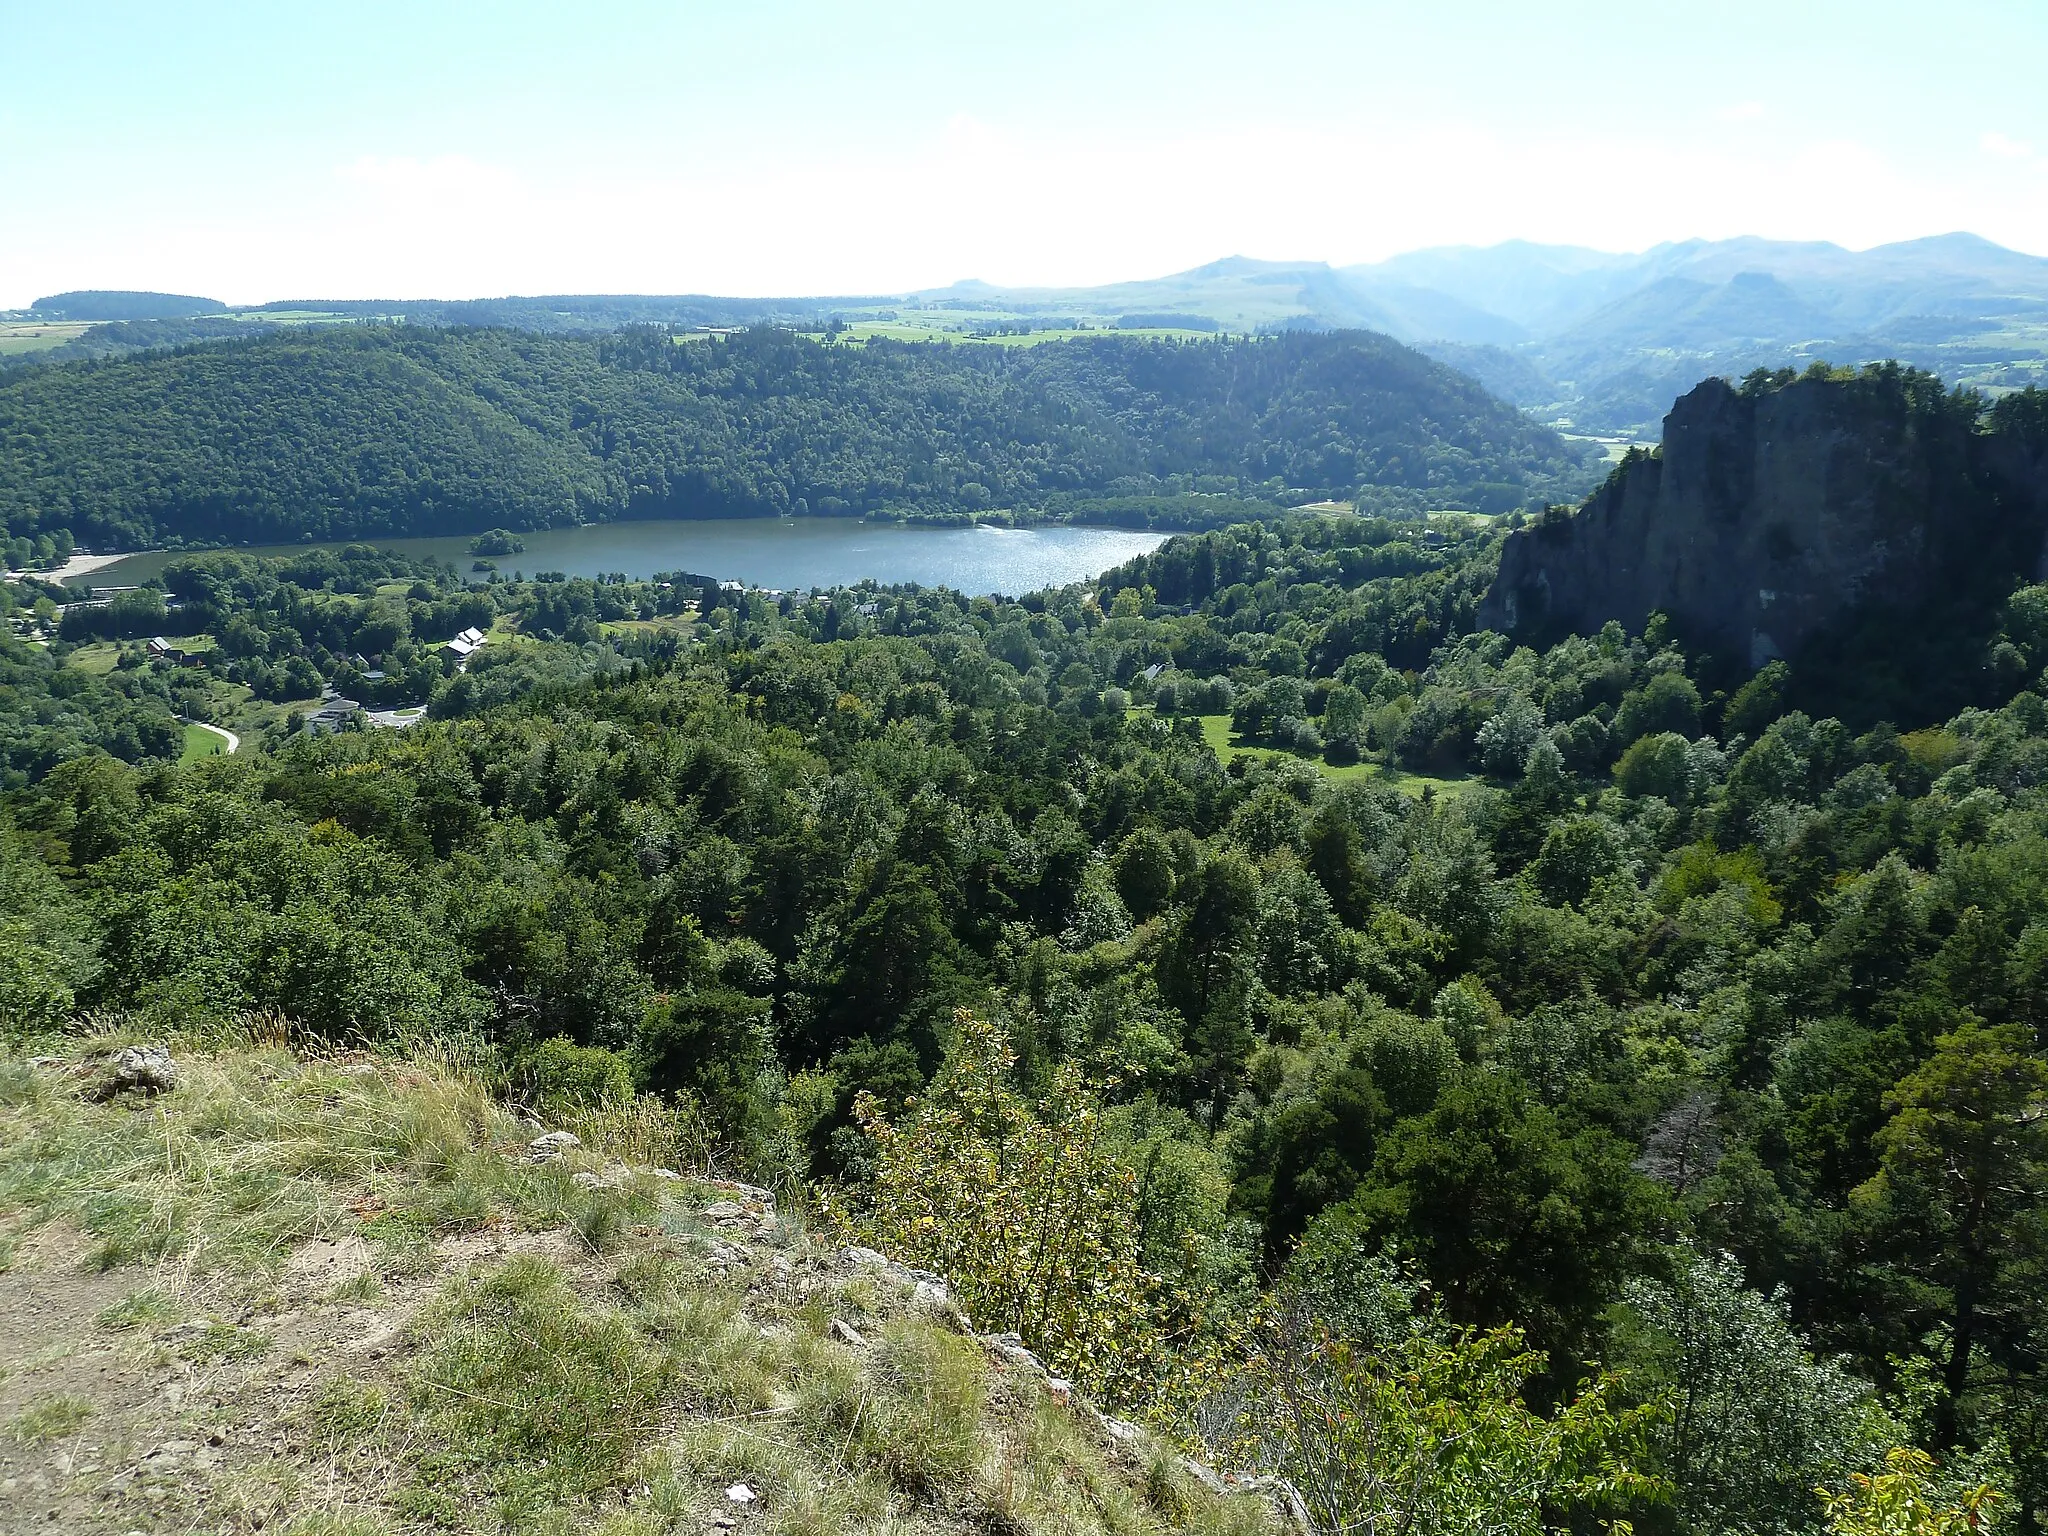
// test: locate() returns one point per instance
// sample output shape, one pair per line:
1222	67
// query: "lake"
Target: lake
790	553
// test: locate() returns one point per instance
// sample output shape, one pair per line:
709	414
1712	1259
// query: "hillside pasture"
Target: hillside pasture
19	337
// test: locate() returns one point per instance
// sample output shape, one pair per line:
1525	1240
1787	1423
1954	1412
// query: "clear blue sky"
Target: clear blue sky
255	152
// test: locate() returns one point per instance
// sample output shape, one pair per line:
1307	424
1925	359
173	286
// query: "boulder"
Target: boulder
139	1069
552	1145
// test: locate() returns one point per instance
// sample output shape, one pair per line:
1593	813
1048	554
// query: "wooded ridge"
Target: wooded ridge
376	431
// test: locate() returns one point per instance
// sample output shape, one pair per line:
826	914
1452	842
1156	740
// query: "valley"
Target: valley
1062	901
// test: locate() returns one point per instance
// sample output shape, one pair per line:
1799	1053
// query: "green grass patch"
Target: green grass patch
49	1418
1417	786
621	1392
253	715
1226	745
537	1396
96	658
200	742
146	1308
256	1151
213	1342
537	1399
23	336
960	330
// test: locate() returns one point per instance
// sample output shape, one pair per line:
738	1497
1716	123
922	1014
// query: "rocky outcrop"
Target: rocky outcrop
143	1069
1773	509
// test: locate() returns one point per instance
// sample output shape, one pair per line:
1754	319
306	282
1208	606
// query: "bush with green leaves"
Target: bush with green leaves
559	1074
1755	1423
1425	1432
1034	1217
1908	1498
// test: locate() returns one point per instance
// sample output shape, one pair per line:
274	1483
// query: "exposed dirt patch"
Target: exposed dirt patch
138	1400
142	1400
52	1354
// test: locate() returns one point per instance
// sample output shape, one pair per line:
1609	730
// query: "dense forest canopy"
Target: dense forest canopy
119	305
352	432
1447	983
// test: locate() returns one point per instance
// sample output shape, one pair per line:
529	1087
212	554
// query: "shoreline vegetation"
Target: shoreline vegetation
80	566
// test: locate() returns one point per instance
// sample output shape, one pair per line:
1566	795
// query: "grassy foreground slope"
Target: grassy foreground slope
337	1294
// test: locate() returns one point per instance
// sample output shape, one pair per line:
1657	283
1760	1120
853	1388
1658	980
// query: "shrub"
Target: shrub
1504	741
560	1075
1344	712
1036	1222
1907	1500
1144	873
1297	735
1668	702
712	1044
1756	1420
1756	703
1429	1432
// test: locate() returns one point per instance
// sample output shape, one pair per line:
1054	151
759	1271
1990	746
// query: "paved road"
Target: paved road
234	742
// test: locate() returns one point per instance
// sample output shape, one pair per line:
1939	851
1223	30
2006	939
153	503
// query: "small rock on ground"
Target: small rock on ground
139	1069
554	1144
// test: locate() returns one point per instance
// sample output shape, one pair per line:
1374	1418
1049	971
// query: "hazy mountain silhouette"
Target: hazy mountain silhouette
1603	340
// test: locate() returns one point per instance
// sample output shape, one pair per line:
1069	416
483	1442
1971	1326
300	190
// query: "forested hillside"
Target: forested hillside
348	431
1353	979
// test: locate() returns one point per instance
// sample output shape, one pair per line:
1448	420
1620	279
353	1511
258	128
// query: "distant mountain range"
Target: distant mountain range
1620	336
1608	341
1600	341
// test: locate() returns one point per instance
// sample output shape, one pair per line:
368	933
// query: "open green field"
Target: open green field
677	623
960	329
200	742
242	712
1217	733
292	317
1613	448
95	658
19	336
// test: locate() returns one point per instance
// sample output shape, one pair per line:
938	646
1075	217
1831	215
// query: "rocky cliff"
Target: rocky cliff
1777	509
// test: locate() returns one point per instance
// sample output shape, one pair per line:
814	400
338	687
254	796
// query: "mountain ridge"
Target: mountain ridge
340	431
1593	339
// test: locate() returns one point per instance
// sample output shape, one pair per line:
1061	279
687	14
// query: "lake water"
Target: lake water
791	553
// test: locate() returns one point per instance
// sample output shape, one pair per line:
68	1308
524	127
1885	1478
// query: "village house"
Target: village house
464	645
332	715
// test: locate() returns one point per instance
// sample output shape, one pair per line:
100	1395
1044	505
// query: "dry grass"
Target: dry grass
617	1384
258	1151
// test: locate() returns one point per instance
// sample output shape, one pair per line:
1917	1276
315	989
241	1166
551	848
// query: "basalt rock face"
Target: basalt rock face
1774	511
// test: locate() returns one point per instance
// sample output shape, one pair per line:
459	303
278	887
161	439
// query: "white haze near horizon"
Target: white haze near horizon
454	150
